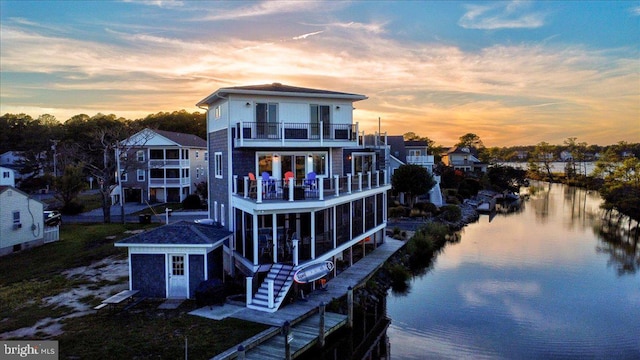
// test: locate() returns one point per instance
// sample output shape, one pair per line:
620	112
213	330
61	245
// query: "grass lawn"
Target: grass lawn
144	332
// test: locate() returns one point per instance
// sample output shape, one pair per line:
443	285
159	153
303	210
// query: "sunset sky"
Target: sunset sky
512	72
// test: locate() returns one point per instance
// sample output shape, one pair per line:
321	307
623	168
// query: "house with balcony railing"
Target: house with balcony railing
162	166
414	152
292	179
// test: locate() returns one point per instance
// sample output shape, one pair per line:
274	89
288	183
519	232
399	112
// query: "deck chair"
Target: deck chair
311	186
268	183
253	184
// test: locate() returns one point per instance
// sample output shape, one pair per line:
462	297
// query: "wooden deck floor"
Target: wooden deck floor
303	316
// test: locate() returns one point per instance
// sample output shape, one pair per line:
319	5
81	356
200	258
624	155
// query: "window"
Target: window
206	156
197	173
140	155
197	154
218	164
16	217
267	119
5	174
320	113
123	176
141	175
217	112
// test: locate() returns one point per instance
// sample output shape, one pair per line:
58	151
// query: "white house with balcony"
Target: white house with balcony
464	158
414	152
161	166
291	178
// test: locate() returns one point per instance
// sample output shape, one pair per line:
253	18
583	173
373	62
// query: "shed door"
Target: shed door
178	276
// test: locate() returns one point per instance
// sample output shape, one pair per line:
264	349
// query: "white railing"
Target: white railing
51	234
420	160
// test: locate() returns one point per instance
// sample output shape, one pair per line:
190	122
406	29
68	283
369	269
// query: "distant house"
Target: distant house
566	156
161	166
170	261
7	176
413	152
465	159
22	222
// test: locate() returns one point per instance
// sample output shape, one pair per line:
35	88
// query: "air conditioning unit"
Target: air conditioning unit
17	226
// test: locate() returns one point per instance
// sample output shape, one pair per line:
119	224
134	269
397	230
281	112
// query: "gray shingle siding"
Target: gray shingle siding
148	274
218	188
196	273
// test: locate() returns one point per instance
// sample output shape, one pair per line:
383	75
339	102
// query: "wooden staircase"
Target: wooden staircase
282	276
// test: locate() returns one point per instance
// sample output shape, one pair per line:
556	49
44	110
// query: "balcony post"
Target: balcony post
336	180
241	133
348	183
290	188
259	190
359	181
215	211
369	179
235	184
222	214
384	176
295	251
321	131
246	187
377	178
320	188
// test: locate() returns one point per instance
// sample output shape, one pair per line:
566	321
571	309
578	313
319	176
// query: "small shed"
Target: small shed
170	261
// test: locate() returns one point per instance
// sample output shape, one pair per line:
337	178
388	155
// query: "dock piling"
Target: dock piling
321	327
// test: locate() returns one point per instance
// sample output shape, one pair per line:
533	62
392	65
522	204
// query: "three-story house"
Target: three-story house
291	178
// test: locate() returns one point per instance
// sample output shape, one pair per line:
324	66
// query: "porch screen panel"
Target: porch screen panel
240	234
357	217
343	223
379	209
248	236
324	231
369	213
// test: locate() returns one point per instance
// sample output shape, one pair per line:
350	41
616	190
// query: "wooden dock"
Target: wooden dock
303	315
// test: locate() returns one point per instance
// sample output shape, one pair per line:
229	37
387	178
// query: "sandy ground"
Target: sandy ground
109	269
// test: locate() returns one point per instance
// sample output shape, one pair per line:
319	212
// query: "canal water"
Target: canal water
543	282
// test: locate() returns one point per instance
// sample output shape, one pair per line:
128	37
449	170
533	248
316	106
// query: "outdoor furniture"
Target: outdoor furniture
311	184
253	184
119	298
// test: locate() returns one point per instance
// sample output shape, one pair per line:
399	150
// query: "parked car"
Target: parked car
52	218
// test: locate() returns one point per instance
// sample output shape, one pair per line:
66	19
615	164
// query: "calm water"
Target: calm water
536	284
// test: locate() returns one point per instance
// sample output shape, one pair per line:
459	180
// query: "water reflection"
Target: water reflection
542	282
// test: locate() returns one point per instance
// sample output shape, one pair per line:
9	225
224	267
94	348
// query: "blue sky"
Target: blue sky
512	72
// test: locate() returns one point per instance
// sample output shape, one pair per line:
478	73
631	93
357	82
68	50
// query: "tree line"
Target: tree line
63	155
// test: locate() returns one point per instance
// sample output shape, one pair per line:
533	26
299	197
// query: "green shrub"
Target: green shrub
399	211
192	202
72	208
451	213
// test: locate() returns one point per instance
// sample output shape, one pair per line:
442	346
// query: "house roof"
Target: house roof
188	140
396	143
463	150
416	143
4	188
278	89
181	233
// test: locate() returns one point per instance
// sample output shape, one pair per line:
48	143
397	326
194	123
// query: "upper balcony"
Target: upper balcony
422	160
267	134
301	192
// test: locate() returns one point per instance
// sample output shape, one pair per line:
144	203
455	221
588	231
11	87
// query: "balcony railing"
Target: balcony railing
295	131
168	181
307	189
163	163
420	160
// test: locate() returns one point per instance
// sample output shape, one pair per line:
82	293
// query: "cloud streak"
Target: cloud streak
503	15
507	93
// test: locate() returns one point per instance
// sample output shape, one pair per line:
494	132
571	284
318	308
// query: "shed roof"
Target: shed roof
179	233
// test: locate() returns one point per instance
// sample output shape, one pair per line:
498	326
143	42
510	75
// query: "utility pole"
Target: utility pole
55	156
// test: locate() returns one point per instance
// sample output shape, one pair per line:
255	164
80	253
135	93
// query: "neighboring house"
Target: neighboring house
7	176
15	159
22	222
292	180
414	152
465	159
170	261
566	156
161	166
